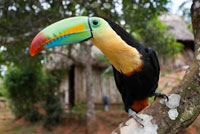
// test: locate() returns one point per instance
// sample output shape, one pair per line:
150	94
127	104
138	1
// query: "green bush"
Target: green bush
22	89
52	104
25	89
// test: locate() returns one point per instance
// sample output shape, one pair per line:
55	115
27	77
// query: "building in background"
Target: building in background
73	84
179	29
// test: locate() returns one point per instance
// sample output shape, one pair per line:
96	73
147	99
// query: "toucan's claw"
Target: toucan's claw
134	115
160	95
136	119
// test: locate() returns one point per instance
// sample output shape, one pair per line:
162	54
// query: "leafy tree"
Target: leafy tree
23	97
51	101
30	91
22	19
156	35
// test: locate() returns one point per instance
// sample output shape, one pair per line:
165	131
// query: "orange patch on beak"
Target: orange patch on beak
75	29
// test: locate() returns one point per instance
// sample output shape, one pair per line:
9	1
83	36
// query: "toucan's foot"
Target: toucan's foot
160	95
134	115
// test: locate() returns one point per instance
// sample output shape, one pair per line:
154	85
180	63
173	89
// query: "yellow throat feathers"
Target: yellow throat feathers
124	58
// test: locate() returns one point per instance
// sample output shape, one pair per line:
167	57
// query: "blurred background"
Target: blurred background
46	94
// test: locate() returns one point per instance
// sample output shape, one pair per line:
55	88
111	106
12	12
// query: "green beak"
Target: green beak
67	31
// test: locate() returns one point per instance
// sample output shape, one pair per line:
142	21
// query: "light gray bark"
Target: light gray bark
90	112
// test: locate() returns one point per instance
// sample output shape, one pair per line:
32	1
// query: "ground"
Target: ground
107	121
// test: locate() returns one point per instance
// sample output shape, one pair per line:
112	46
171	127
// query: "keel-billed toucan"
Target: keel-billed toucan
136	67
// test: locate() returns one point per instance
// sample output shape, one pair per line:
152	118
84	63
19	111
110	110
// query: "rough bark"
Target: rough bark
90	112
188	108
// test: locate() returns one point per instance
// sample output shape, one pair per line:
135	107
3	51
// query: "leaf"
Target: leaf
107	71
102	57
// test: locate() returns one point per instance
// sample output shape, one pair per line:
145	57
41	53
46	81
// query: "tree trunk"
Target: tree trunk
90	112
184	106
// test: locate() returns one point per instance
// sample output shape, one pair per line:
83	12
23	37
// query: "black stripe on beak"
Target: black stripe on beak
90	26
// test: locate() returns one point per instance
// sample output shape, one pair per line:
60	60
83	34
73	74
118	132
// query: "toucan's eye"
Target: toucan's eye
95	22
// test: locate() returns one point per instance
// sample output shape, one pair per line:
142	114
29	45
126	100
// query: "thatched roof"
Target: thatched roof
179	28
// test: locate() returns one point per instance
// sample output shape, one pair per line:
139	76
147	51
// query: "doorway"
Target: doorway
71	87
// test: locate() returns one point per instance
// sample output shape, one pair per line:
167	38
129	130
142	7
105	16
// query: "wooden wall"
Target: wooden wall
103	85
64	88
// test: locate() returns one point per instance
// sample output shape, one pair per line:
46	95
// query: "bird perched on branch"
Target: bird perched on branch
136	67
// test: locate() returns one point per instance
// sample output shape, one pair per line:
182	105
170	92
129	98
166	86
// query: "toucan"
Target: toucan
136	67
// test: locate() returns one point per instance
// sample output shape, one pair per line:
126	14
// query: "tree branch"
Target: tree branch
174	116
81	60
11	40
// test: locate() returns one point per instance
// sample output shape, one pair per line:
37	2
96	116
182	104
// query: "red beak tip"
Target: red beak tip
37	44
32	54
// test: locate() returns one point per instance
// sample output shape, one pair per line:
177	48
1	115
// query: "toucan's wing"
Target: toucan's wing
154	60
118	80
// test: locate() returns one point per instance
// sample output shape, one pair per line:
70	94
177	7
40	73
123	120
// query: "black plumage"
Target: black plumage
141	84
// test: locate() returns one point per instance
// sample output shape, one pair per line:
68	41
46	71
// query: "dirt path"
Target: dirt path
168	81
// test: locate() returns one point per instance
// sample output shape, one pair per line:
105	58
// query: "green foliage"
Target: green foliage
102	57
107	71
156	35
178	79
1	92
23	92
78	107
25	89
189	25
138	13
167	84
78	110
51	103
164	74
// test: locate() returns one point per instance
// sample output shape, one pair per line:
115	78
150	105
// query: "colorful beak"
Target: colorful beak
67	31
